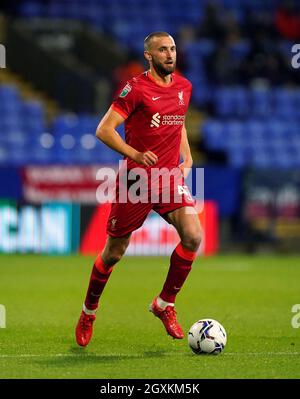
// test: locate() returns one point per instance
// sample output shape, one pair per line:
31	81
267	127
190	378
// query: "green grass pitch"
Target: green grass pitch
251	296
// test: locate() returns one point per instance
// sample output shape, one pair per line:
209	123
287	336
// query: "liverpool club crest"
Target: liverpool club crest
180	97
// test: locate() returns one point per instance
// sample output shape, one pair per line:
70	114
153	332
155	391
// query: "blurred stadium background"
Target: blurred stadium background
65	60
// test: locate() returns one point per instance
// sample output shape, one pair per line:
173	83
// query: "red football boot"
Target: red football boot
168	317
84	328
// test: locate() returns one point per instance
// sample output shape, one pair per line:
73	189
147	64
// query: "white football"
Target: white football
207	336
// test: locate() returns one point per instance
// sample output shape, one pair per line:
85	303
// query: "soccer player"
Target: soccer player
153	106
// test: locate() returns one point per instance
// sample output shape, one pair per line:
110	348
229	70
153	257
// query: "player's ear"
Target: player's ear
147	55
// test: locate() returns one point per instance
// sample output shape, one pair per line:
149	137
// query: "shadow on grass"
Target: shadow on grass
77	356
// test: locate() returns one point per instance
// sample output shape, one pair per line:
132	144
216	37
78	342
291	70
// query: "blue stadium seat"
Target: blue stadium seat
282	160
33	117
9	93
79	10
284	46
56	9
66	123
33	109
275	127
200	48
238	158
231	102
261	159
234	128
213	134
11	123
201	94
103	154
285	103
31	9
87	123
255	129
43	151
17	138
239	50
261	102
4	154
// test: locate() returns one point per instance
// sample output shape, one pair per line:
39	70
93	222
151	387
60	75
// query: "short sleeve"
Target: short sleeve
127	101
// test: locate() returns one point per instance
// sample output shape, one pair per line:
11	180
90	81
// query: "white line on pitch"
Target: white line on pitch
141	355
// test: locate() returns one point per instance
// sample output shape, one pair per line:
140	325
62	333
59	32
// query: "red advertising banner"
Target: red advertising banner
61	183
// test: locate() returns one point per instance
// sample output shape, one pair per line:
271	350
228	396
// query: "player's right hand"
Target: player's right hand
147	158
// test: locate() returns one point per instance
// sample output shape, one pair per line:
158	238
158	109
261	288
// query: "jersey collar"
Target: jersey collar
148	74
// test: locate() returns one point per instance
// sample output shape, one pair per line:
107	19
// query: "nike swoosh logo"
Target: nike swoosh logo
155	98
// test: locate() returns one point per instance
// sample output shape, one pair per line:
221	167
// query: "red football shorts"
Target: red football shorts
125	217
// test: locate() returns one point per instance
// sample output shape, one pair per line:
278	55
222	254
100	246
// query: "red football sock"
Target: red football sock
181	265
99	277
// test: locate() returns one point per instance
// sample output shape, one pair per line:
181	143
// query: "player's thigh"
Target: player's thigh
186	222
125	218
117	244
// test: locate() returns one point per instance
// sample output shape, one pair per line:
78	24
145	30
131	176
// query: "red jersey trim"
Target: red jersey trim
148	74
119	111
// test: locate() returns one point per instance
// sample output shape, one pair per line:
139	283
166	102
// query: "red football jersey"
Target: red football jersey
154	116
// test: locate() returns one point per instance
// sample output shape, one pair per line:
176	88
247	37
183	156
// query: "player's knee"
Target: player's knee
113	258
116	254
113	252
192	242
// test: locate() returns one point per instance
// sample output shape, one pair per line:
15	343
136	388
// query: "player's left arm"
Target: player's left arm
185	153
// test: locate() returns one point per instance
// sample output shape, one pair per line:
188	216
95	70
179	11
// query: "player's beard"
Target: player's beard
163	69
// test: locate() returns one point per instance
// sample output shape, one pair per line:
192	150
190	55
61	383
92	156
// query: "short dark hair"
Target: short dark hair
151	36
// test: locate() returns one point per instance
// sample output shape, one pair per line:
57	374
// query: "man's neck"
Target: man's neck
161	79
